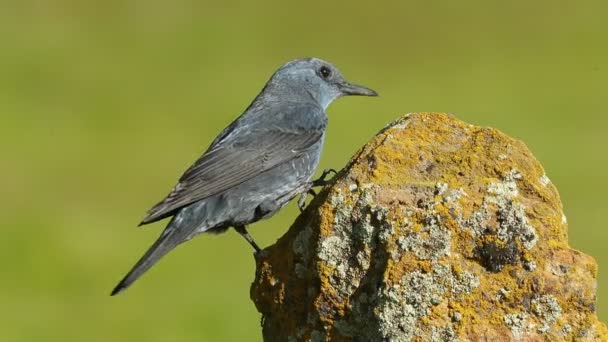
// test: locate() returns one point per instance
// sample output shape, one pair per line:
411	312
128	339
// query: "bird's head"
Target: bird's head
317	78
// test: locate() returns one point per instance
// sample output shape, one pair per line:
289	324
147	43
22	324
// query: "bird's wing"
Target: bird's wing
227	165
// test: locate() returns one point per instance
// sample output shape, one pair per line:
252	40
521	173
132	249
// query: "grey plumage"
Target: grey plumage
257	164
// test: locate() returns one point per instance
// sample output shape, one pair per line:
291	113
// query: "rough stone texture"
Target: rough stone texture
436	230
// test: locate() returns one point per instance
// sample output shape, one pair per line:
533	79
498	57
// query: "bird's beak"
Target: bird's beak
354	89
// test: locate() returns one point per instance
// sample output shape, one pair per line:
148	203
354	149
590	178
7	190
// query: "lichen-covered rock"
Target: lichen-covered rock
436	230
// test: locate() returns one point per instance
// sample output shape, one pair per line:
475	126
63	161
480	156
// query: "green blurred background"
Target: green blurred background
103	104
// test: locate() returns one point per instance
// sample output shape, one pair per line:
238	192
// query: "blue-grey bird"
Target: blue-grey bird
257	164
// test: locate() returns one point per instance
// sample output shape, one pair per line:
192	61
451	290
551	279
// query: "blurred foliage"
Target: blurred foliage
104	103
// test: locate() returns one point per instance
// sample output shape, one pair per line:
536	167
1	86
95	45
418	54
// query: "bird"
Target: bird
256	165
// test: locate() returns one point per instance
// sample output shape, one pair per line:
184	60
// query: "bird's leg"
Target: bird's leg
303	195
308	189
321	180
243	231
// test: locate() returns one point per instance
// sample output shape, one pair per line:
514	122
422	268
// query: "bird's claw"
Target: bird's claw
317	182
302	199
321	180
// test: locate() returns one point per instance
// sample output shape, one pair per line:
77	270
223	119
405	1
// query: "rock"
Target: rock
436	230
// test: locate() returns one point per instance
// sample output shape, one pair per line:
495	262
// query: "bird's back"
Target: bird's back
247	149
257	198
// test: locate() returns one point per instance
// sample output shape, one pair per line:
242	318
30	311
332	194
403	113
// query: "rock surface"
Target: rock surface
436	230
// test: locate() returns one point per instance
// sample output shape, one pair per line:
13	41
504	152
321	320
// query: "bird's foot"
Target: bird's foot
321	181
308	190
303	195
245	234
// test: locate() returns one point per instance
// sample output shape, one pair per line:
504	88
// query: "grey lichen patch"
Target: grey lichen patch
400	123
423	290
401	305
518	323
477	222
530	265
464	283
443	334
548	309
507	189
501	226
452	197
544	180
358	224
441	188
449	195
301	248
332	249
502	295
511	214
300	243
388	231
431	242
559	269
363	229
335	249
337	199
342	209
514	224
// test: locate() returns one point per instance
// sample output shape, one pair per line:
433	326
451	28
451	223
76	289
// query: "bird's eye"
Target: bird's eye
325	72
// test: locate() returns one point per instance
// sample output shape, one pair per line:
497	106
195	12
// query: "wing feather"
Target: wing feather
230	164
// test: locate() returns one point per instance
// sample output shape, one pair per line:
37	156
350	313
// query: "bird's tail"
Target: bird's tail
168	240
